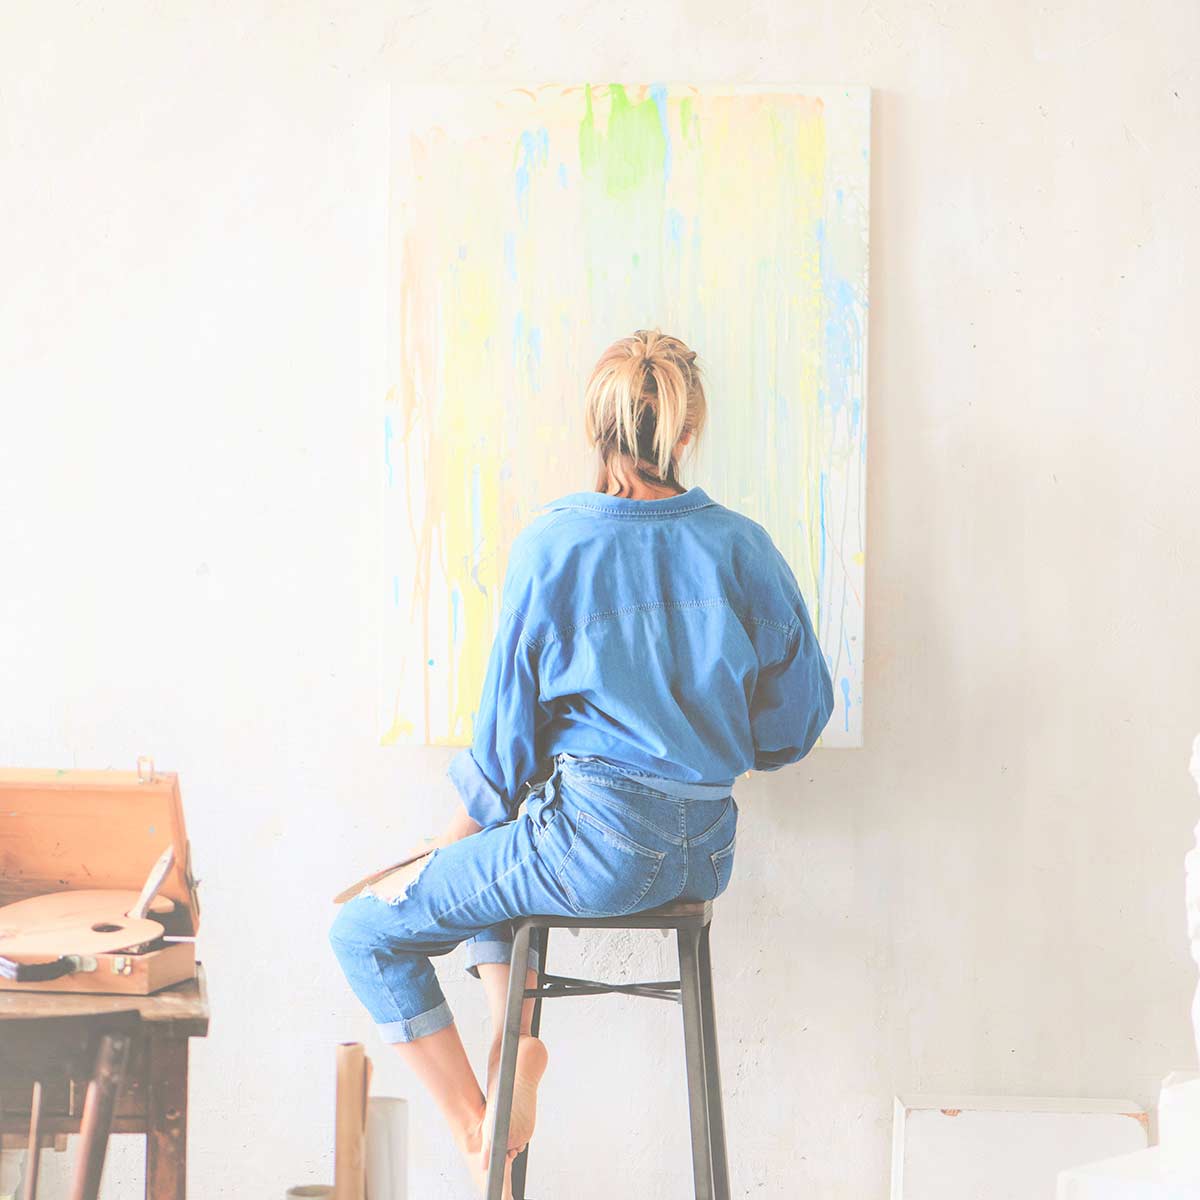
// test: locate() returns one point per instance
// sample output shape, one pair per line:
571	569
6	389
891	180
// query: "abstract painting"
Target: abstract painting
531	227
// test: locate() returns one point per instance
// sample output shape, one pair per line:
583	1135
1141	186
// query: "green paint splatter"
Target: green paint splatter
632	151
687	118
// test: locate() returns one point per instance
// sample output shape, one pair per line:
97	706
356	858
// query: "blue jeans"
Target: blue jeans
592	841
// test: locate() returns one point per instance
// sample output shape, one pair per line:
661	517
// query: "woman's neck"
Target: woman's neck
639	487
639	491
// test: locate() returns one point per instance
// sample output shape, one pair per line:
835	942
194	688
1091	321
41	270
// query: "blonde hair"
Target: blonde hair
644	394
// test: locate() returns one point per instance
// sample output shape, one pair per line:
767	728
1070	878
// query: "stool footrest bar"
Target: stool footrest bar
554	986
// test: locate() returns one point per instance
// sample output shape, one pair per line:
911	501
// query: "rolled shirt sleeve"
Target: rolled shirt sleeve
793	695
490	773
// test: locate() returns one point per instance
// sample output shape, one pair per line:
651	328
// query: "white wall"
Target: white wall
987	898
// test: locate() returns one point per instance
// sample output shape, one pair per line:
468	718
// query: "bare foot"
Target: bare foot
532	1058
470	1144
477	1163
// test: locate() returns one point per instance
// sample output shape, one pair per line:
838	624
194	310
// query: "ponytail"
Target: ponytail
644	395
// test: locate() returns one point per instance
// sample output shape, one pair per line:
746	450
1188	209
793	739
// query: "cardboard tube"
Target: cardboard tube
349	1158
387	1148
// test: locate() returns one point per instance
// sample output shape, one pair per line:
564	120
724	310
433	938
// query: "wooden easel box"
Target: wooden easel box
63	830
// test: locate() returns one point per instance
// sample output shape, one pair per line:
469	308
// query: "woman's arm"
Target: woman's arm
461	825
394	883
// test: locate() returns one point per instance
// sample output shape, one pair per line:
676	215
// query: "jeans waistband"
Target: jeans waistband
598	769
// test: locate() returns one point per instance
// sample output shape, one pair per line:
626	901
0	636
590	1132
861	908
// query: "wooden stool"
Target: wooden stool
693	988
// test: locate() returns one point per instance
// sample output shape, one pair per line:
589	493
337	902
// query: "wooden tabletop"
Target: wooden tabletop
180	1011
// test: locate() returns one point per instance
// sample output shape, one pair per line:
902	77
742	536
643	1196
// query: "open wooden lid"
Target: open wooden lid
64	830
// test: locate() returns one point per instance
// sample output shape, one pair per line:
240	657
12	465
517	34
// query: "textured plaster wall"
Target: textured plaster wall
987	898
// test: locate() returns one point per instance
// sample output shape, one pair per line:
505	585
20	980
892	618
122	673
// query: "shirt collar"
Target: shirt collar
626	506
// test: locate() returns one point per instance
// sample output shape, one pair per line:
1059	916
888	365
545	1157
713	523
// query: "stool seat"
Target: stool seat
680	908
677	914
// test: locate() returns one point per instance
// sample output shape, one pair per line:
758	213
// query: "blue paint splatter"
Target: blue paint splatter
510	256
842	334
675	225
533	148
562	175
659	95
527	349
846	700
842	346
429	661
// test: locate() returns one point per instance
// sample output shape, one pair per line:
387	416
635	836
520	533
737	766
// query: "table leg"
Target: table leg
166	1118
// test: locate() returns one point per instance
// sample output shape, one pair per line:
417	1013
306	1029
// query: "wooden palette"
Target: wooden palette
44	928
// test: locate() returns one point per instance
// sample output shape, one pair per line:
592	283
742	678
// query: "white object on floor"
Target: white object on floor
1003	1147
387	1148
1140	1176
1170	1171
1179	1126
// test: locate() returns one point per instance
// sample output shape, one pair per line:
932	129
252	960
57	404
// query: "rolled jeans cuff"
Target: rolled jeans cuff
493	950
422	1025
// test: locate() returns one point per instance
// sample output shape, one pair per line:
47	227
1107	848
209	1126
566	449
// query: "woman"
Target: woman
653	645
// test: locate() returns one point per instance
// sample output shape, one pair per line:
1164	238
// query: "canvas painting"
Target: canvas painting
530	228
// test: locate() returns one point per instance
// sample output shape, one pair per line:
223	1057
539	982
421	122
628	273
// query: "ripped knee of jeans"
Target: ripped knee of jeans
402	878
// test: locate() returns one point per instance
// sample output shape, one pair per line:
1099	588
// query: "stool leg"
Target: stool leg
520	1171
693	1044
712	1073
508	1062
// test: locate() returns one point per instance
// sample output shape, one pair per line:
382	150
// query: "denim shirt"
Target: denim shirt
666	637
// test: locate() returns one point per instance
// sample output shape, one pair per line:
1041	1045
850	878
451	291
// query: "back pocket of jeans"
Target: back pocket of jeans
722	861
605	873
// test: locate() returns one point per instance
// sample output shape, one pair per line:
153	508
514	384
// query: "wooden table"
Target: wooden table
154	1100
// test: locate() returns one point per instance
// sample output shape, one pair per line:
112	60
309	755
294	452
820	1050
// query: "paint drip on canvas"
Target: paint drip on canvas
530	228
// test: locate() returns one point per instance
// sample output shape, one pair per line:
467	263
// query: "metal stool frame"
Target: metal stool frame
693	989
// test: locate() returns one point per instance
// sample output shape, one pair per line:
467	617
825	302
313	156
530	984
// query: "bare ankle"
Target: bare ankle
469	1133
